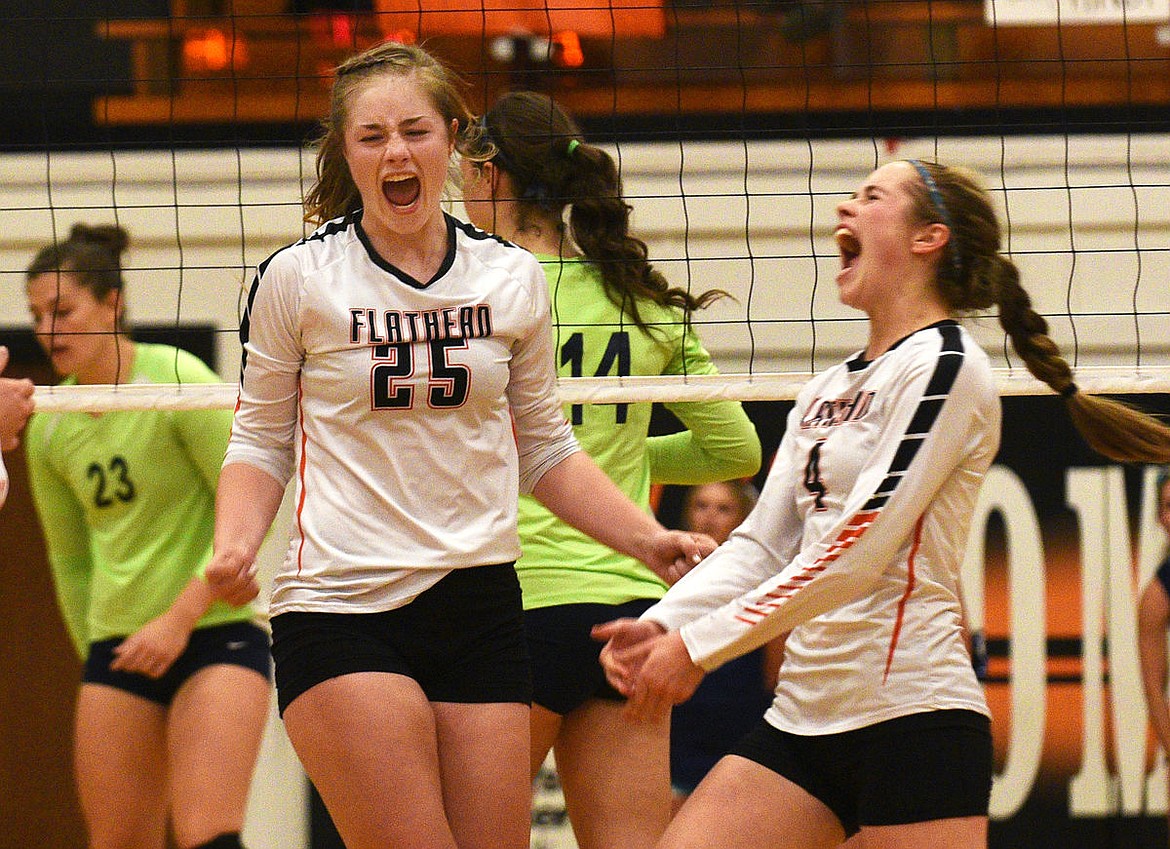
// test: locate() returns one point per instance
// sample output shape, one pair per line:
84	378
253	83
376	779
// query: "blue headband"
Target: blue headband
940	206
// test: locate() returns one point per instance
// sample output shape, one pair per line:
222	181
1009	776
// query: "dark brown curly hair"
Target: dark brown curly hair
539	145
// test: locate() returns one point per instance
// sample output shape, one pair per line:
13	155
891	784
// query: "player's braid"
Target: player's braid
984	277
974	275
1111	428
1028	331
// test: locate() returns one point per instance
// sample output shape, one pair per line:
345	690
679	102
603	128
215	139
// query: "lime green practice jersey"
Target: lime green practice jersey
127	503
561	565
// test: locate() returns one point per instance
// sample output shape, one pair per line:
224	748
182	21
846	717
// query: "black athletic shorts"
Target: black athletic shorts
462	640
237	643
916	768
566	670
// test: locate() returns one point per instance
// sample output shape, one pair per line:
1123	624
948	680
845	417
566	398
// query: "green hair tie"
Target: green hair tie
573	145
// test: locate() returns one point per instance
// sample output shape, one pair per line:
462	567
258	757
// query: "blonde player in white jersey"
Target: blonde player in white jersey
16	405
878	725
400	364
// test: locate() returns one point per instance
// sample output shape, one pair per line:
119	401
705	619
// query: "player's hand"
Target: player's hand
16	405
627	642
232	577
667	677
152	649
674	553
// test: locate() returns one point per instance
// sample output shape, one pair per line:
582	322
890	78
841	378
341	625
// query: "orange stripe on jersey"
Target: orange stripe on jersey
235	410
914	546
795	582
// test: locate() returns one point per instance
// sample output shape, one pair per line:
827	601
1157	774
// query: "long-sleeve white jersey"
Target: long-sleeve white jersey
412	412
857	541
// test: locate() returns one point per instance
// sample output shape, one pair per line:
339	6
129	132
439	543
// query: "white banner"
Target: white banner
1049	12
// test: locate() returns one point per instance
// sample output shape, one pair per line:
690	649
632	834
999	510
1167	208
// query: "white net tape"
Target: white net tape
1113	380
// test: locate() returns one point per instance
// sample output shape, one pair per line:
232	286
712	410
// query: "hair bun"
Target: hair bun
111	236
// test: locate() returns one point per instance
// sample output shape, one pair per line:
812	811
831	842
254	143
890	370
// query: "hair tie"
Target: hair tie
1069	391
940	206
572	147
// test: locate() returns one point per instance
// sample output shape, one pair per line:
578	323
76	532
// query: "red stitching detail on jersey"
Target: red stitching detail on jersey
794	584
752	615
905	596
848	536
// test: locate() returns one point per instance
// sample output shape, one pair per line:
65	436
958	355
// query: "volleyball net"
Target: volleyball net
737	127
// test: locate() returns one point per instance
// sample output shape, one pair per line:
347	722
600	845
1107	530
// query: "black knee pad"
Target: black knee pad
224	841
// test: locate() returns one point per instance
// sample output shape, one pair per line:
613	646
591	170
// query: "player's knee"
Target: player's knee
230	840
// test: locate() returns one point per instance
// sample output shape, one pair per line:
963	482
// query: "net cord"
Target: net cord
1098	380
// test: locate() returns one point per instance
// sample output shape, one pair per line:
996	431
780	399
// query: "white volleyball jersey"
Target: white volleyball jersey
857	541
412	413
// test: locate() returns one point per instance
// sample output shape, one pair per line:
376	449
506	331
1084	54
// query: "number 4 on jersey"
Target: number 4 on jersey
812	476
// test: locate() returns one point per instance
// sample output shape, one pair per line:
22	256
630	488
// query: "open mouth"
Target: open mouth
401	191
849	247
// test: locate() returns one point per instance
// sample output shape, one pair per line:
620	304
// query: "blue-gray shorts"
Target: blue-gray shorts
237	643
566	667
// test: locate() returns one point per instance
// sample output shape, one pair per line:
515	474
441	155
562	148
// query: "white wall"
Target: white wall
1089	224
278	803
